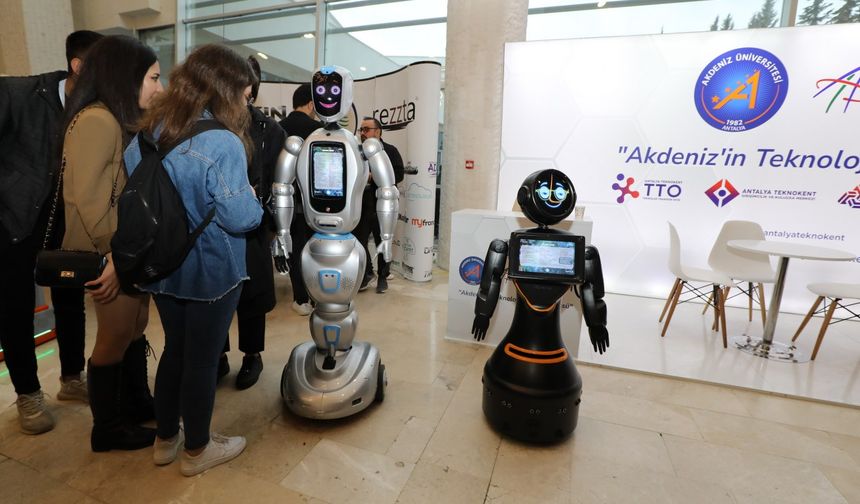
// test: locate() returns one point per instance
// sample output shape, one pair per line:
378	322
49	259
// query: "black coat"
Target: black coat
302	125
258	293
30	117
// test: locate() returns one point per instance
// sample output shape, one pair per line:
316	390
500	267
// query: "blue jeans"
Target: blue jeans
194	335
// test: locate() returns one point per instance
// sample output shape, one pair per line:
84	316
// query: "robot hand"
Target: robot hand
281	248
479	327
599	338
385	249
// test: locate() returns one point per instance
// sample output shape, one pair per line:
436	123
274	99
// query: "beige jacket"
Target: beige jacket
93	178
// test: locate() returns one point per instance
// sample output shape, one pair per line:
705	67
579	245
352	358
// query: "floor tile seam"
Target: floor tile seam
298	464
660	432
846	497
46	475
728	386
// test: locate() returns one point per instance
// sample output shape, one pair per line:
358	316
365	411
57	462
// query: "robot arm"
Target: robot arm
593	306
491	283
387	195
283	203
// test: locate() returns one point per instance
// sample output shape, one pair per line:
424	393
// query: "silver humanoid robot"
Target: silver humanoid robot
332	376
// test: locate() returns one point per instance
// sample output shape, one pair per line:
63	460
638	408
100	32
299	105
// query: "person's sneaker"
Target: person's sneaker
223	366
365	282
165	450
303	309
219	450
252	366
74	389
390	276
381	285
33	414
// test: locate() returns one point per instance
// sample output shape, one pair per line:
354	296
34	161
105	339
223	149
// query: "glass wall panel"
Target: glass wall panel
283	40
557	19
374	37
197	8
816	12
163	42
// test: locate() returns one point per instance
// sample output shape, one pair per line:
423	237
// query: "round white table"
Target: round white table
766	347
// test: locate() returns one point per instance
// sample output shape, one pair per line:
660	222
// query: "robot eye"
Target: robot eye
335	90
543	192
560	193
320	90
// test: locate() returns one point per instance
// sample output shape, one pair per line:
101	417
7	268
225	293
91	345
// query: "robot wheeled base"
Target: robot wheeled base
310	390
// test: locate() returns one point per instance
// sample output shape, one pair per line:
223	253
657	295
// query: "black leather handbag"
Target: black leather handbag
66	268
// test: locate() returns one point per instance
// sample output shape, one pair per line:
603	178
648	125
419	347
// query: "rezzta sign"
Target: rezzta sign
396	117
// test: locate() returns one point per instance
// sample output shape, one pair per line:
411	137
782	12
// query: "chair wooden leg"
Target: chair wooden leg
749	297
807	317
722	305
672	308
725	291
761	304
708	302
669	299
824	325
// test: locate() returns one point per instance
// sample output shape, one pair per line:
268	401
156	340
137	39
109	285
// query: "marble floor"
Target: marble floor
641	438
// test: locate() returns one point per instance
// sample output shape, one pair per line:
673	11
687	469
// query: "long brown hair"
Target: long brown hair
212	78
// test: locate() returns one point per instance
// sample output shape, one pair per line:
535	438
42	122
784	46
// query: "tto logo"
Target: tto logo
626	190
838	85
741	89
851	198
471	269
722	193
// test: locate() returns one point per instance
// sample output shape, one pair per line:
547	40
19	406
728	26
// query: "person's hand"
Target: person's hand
281	247
479	327
105	288
385	249
599	338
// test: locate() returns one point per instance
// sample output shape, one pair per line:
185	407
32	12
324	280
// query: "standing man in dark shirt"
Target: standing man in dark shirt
31	112
369	223
300	122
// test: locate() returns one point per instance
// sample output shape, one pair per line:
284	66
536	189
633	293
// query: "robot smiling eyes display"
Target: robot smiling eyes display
332	376
532	389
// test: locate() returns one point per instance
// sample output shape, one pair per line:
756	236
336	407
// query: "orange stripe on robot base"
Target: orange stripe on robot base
540	356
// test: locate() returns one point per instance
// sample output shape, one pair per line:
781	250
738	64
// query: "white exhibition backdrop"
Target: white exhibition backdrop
601	108
407	104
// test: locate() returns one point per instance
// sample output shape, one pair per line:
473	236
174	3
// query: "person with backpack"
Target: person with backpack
118	81
196	302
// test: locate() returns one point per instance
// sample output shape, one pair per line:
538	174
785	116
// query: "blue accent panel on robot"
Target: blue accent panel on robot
327	70
344	236
329	281
331	330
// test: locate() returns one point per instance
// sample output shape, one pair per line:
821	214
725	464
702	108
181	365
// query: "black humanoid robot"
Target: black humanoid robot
532	389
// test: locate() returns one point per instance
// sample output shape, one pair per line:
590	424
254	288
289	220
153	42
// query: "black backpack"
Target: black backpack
152	237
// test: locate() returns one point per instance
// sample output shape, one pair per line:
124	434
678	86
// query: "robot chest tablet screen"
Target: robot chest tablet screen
547	256
328	170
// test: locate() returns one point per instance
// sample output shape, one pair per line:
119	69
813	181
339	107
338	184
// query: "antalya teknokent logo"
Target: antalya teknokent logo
722	193
838	86
626	190
741	89
851	198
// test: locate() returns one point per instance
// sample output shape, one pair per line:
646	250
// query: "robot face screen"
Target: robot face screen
327	92
553	192
328	170
547	256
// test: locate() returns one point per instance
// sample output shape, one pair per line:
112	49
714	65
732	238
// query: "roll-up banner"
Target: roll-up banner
696	129
406	102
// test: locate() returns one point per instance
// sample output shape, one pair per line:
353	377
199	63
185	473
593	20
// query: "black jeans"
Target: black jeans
252	333
17	304
300	234
194	335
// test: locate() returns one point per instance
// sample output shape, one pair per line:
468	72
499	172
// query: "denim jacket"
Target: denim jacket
209	170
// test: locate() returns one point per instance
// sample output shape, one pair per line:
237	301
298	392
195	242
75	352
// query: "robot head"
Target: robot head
547	197
332	92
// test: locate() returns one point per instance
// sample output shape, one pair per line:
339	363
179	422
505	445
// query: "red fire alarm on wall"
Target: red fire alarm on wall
470	164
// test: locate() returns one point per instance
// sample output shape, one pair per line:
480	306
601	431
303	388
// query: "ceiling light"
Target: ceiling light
363	68
308	35
262	55
601	3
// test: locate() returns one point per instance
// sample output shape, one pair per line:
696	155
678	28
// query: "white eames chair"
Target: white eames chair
748	271
685	277
834	293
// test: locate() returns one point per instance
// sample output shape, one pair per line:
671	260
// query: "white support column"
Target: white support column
474	60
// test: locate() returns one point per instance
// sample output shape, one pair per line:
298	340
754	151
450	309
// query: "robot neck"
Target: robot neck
332	126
